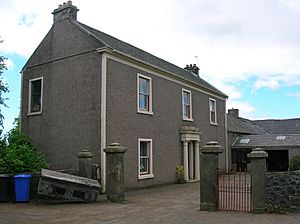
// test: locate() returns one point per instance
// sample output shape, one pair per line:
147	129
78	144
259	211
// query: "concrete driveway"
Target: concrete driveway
166	204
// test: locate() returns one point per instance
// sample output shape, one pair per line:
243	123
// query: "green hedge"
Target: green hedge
18	155
295	163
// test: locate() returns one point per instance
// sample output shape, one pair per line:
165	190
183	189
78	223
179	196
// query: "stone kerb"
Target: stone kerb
208	176
85	163
115	186
258	182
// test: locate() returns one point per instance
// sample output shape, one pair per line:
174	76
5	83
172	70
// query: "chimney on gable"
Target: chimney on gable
233	112
65	11
192	68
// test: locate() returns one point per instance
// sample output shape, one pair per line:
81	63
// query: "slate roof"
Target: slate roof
275	126
273	140
243	126
114	43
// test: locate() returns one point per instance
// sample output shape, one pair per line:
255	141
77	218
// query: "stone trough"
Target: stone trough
64	186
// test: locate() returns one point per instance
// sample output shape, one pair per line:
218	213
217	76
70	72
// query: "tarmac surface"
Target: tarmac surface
177	203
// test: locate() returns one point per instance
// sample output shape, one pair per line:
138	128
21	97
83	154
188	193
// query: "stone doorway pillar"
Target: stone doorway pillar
185	160
190	136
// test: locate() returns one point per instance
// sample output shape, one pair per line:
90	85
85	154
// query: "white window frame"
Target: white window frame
210	111
150	173
30	98
190	103
141	110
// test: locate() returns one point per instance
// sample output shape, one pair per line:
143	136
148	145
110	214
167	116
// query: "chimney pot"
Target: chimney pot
233	112
65	11
192	68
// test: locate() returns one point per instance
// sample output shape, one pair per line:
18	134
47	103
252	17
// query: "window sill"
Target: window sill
34	113
146	176
145	112
187	119
214	124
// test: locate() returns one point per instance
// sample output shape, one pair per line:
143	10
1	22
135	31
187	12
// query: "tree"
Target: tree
18	154
3	89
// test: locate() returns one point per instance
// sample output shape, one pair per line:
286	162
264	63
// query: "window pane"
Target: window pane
186	104
144	149
186	98
143	102
143	86
144	157
212	117
144	165
212	105
186	111
36	103
36	87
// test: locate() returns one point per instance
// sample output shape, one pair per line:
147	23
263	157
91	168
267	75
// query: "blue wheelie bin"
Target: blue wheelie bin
22	187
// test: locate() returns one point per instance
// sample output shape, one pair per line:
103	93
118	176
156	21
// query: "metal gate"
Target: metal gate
234	192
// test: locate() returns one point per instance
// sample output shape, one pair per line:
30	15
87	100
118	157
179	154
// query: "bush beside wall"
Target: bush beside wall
295	163
18	155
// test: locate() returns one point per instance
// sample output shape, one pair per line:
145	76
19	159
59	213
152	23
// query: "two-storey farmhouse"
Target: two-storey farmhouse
82	88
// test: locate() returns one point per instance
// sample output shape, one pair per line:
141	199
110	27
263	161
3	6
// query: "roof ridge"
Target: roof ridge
279	119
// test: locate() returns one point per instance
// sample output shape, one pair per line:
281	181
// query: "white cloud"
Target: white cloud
246	110
272	84
293	4
297	95
9	64
229	90
26	23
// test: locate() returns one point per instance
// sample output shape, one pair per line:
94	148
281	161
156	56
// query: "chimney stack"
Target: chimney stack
65	11
233	112
192	68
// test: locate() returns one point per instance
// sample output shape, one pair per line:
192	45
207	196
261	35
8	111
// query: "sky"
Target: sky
249	49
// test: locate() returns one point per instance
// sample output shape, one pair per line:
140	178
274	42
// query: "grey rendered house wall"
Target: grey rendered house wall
125	125
70	118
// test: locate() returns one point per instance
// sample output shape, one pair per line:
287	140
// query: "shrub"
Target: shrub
295	163
180	171
18	155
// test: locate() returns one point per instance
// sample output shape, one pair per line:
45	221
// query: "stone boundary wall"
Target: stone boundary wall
283	191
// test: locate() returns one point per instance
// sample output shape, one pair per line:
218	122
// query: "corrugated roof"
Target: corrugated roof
282	126
266	140
114	43
243	126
